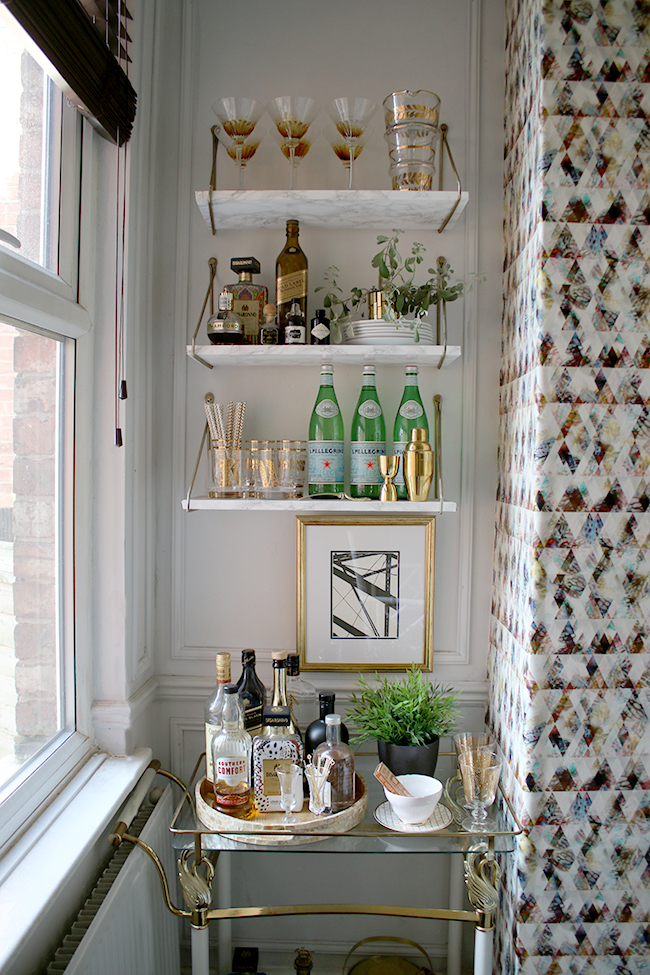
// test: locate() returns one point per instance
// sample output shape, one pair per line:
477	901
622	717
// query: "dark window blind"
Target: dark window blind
85	42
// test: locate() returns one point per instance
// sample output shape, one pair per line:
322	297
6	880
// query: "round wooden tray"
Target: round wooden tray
266	829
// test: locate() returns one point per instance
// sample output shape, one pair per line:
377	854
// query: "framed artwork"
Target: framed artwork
365	587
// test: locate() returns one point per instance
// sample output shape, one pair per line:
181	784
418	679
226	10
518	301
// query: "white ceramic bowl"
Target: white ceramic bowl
416	808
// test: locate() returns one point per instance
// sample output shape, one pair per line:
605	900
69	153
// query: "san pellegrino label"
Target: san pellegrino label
326	461
327	408
367	440
410	414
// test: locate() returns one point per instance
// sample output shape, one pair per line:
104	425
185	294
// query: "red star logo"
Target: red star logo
370	465
326	464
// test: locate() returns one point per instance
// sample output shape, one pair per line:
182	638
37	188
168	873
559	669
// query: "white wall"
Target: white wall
227	581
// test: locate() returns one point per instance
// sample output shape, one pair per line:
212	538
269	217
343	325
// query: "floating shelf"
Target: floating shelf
287	355
337	209
330	507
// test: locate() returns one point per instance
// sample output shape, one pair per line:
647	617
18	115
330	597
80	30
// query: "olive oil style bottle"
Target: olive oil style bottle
326	458
290	278
367	440
410	414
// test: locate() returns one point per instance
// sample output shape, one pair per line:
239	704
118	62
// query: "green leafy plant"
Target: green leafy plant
402	297
410	711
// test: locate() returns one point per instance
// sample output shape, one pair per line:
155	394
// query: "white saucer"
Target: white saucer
439	818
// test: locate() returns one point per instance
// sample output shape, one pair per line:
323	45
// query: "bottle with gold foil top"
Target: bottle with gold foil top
290	278
214	707
280	697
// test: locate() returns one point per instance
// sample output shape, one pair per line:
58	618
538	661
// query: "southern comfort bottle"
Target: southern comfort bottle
290	278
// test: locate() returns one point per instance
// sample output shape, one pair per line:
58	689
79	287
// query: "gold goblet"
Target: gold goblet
388	468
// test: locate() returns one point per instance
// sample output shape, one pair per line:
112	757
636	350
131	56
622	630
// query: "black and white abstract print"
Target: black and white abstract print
365	595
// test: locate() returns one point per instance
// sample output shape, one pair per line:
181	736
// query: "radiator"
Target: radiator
124	927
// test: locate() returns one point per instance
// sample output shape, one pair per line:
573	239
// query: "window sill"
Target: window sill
44	876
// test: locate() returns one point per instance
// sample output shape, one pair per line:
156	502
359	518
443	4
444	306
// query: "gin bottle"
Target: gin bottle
326	438
341	776
214	707
367	440
409	415
231	760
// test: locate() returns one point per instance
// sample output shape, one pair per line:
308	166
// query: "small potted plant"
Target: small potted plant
406	717
404	302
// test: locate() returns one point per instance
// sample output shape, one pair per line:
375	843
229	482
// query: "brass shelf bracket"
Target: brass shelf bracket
444	147
213	174
209	296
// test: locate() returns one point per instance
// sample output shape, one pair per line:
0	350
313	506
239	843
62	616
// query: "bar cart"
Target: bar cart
198	848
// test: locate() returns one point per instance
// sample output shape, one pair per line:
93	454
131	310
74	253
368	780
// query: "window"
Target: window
40	318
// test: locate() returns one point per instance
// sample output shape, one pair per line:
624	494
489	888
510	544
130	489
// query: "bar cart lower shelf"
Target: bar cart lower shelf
197	848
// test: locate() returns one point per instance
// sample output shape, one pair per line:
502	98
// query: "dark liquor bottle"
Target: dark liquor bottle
269	330
225	328
320	328
251	691
290	278
295	332
316	733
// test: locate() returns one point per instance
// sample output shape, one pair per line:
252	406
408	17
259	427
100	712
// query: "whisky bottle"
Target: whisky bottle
280	698
275	746
214	707
295	332
248	298
325	459
231	760
290	278
316	733
251	691
367	440
301	694
225	328
341	776
410	414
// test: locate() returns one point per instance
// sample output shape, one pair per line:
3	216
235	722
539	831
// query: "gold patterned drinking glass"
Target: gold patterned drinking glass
238	117
292	116
388	468
351	117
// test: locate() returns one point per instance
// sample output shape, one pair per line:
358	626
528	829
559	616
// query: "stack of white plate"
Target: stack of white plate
374	332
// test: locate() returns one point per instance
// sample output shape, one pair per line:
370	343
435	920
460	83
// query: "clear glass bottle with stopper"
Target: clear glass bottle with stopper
341	775
301	694
231	760
316	733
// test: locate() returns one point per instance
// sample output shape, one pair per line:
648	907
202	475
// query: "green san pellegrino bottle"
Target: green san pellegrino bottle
326	438
367	440
410	414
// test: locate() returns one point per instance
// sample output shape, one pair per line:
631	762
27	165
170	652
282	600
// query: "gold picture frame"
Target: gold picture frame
365	592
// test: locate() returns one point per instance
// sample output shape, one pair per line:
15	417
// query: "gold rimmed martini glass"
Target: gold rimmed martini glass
295	153
238	117
242	152
342	149
292	116
351	117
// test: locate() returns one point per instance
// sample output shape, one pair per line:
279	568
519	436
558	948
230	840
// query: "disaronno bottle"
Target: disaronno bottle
275	746
248	298
290	278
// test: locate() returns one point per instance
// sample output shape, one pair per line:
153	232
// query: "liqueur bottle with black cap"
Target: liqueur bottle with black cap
225	328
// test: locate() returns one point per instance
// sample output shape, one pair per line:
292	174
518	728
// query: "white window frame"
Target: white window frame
36	298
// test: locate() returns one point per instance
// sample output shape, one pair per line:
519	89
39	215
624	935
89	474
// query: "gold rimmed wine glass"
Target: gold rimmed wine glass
292	116
342	149
242	152
296	153
351	117
238	117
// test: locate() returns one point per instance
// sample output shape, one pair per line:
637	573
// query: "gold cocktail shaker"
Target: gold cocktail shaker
418	465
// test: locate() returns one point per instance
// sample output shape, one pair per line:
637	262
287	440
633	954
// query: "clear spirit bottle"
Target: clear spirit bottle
231	760
301	694
341	776
214	707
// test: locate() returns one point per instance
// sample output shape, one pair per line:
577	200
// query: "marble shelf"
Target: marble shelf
286	355
330	507
337	209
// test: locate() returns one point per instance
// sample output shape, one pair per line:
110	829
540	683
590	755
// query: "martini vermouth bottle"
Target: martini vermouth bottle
410	414
367	440
326	438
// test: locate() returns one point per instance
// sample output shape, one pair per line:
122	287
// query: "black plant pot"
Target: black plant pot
410	759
